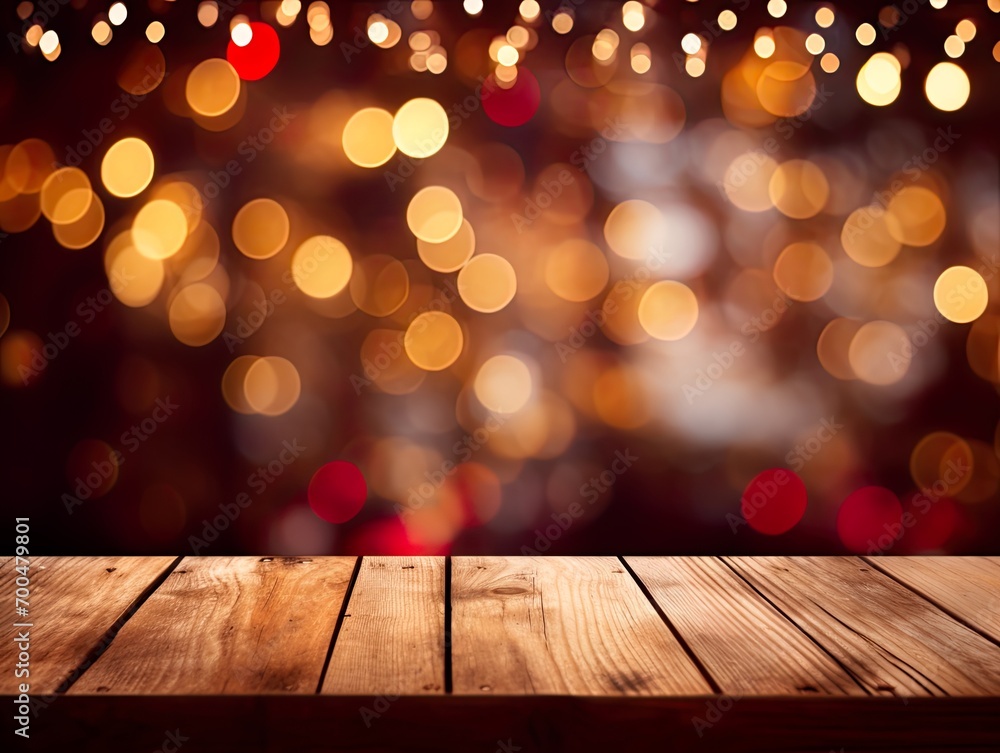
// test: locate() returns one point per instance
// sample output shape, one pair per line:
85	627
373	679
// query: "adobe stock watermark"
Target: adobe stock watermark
86	312
798	457
131	439
551	190
624	289
722	361
123	105
920	335
923	501
463	450
786	128
405	165
715	709
372	368
591	491
913	168
249	149
258	481
44	12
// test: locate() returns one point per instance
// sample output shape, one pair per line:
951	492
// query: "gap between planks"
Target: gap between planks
345	605
105	641
673	630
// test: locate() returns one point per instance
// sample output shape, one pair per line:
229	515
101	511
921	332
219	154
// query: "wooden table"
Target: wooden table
768	654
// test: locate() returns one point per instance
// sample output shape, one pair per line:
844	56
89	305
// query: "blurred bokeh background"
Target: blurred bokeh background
501	277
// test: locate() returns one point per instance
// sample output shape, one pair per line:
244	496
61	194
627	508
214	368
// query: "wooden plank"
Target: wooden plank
966	587
73	604
561	625
890	639
228	625
744	643
530	724
392	639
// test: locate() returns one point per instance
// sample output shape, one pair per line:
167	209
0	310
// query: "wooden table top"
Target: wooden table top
552	652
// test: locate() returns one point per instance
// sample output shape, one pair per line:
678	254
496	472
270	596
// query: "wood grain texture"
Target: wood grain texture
966	587
890	639
223	625
74	603
392	638
576	625
744	643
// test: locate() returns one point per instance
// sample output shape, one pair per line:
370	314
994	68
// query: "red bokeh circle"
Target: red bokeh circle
774	501
870	520
514	106
259	57
337	491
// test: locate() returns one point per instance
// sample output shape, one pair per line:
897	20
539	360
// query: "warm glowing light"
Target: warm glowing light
242	34
635	228
420	128
321	266
433	341
691	43
473	7
260	228
562	23
434	214
641	58
866	237
829	63
197	314
367	139
117	14
272	385
764	45
815	44
452	254
824	17
961	295
727	20
48	42
155	32
694	67
915	216
503	384
880	353
529	10
777	8
378	32
947	87
865	34
487	283
576	270
101	32
422	9
507	55
127	167
66	195
668	310
966	30
208	13
803	272
878	81
212	87
159	229
633	15
799	189
954	46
